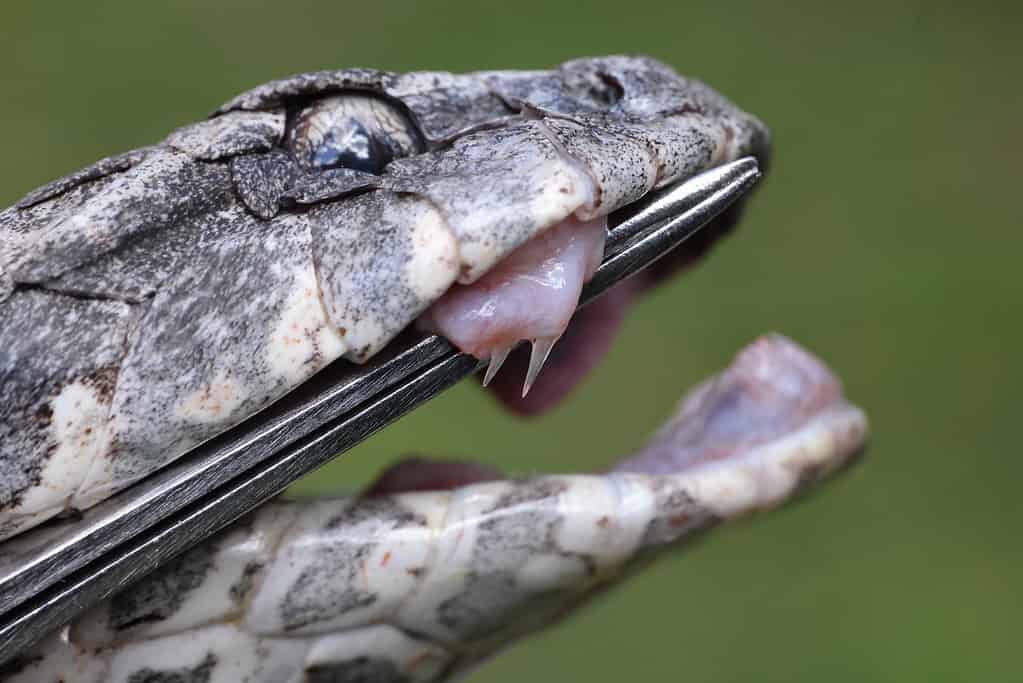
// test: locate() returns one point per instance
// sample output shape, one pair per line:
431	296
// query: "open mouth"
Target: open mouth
531	296
528	296
158	299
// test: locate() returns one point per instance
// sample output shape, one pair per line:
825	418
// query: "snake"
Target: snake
159	297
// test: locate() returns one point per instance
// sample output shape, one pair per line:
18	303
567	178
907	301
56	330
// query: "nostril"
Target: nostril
603	89
594	88
611	90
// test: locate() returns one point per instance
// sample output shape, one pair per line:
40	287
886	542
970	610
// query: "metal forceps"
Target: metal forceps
53	573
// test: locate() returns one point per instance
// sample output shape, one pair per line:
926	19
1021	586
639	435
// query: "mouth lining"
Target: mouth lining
582	337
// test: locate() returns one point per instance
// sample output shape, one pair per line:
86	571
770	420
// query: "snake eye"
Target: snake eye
352	130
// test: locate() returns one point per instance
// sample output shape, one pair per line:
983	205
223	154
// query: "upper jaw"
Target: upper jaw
582	140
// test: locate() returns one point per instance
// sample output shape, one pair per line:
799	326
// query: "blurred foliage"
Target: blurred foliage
886	239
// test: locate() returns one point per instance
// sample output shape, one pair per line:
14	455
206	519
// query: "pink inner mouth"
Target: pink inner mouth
772	389
528	296
532	294
584	344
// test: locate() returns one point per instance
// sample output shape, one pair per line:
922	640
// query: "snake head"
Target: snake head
186	285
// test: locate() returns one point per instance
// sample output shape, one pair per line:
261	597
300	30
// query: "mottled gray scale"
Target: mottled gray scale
137	269
328	587
229	135
508	527
441	103
314	83
161	594
519	527
201	673
20	228
543	91
654	96
272	182
683	145
262	179
678	515
496	188
636	96
658	100
356	670
201	356
100	169
365	248
49	342
157	193
623	168
17	222
334	183
445	104
595	85
623	86
246	582
644	87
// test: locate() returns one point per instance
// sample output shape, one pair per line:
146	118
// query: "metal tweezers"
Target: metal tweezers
53	573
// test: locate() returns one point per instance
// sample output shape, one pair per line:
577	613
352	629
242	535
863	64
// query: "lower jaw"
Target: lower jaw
775	412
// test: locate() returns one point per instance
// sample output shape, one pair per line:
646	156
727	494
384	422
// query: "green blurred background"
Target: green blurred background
887	239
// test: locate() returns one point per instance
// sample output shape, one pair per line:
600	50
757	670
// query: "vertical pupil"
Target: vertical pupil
349	144
350	131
